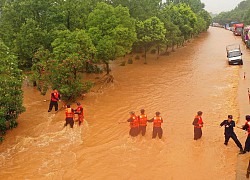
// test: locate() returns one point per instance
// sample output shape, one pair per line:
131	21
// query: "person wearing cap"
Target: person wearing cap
142	122
246	127
157	121
134	124
229	132
54	98
69	112
79	111
198	124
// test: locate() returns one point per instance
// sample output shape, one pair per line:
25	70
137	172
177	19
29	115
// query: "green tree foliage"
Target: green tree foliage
207	19
75	12
140	9
200	25
150	32
29	39
11	95
112	31
182	16
195	5
64	76
26	25
60	69
75	43
173	34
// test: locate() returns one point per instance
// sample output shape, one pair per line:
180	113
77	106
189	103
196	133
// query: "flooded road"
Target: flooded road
195	77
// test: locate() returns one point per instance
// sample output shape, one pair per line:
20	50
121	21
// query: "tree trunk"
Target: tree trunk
87	66
68	20
107	67
145	56
167	48
75	73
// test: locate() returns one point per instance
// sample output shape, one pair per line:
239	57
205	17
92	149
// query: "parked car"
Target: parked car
234	54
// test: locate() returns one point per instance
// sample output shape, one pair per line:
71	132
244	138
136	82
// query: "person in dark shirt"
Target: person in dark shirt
229	132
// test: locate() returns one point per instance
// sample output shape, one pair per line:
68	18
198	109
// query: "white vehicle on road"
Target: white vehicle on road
234	54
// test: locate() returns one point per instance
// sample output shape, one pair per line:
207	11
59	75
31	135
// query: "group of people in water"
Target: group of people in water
229	125
138	124
69	112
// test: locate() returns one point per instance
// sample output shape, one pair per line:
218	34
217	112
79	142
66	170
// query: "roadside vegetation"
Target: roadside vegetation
240	14
57	41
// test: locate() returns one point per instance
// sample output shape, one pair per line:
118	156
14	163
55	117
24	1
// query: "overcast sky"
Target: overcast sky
217	6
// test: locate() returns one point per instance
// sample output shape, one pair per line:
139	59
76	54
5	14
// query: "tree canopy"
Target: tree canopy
11	94
112	30
239	14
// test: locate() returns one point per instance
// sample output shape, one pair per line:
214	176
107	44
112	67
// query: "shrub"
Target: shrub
153	51
123	63
130	61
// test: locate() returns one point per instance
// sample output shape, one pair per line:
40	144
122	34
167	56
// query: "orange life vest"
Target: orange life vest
157	121
200	122
143	120
56	95
69	113
78	110
135	122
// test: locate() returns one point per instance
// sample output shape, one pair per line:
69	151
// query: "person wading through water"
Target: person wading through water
55	97
134	124
69	112
157	121
246	127
142	122
229	132
79	111
198	124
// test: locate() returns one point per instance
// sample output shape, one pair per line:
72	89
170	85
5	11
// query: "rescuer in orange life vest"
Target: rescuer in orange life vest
134	124
157	130
247	128
79	111
55	97
198	124
142	122
69	112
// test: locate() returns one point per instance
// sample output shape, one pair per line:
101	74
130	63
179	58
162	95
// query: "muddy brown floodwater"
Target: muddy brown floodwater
195	77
